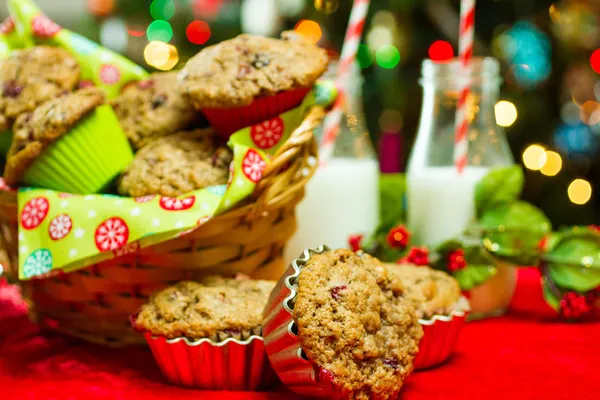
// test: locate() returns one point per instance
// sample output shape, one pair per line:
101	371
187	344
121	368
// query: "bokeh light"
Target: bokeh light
159	31
580	191
390	120
101	8
171	61
534	157
553	164
363	56
156	53
387	56
309	29
595	61
379	36
327	6
441	51
506	113
113	34
162	9
207	9
198	32
589	113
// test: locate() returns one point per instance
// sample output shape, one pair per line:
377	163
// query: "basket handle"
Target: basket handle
292	166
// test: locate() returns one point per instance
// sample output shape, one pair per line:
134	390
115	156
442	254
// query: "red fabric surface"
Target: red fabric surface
525	355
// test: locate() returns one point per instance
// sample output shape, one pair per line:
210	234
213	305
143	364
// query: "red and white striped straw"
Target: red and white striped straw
465	50
331	125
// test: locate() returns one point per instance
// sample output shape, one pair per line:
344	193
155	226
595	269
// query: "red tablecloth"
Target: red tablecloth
525	355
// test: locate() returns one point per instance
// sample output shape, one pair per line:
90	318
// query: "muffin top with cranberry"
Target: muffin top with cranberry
33	76
215	308
153	108
177	164
355	325
430	291
234	72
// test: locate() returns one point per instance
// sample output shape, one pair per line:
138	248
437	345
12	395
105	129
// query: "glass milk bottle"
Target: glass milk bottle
440	200
342	198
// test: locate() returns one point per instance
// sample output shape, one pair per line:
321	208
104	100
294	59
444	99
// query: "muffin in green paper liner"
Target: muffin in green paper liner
72	144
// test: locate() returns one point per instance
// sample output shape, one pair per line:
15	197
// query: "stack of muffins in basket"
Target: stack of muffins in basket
337	324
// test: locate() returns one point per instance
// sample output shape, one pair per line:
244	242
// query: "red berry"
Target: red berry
416	256
456	260
574	305
354	242
398	237
336	291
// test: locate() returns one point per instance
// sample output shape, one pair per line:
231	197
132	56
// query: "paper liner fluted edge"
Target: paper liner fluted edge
281	343
440	334
231	364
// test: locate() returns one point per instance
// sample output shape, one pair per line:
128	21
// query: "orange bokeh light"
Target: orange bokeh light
309	29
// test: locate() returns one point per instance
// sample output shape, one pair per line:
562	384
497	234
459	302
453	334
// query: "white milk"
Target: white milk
341	199
440	202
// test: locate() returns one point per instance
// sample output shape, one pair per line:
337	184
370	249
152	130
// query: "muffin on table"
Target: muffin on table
441	309
30	77
153	108
215	308
430	291
249	79
177	164
73	143
207	334
351	323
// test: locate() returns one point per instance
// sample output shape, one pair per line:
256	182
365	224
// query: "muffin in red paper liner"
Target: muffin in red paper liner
337	326
250	79
440	307
208	334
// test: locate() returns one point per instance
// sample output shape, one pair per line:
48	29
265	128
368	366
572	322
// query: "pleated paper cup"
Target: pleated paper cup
440	334
281	338
86	159
5	141
228	365
230	120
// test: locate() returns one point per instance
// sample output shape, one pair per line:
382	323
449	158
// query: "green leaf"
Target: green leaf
574	260
448	246
474	275
513	232
392	188
550	298
499	186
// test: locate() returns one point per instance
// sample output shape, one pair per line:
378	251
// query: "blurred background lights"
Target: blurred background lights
260	17
327	6
162	9
156	53
534	157
579	191
171	61
589	113
159	30
575	138
440	51
208	9
569	113
379	36
363	56
595	61
553	164
390	120
506	113
387	56
290	8
113	34
198	32
101	8
309	29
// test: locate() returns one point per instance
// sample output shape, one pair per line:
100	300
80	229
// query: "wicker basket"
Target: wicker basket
94	303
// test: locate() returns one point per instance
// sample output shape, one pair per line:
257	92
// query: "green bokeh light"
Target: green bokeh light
364	56
159	30
387	56
162	9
